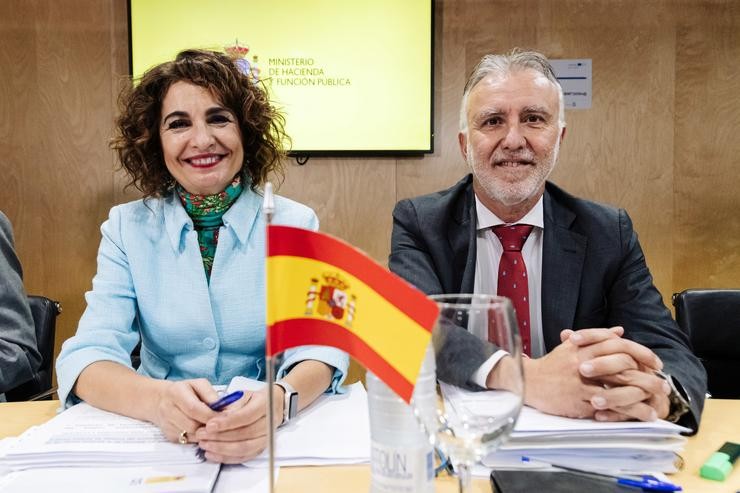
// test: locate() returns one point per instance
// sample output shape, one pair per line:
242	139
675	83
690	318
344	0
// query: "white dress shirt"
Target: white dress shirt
488	256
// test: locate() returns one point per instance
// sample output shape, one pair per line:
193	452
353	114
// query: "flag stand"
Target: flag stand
268	209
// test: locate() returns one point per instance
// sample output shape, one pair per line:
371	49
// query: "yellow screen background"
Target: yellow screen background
367	88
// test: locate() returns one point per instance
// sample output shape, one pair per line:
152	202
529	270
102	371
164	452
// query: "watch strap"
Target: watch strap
679	404
290	401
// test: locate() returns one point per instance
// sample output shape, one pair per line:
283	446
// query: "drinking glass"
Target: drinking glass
468	424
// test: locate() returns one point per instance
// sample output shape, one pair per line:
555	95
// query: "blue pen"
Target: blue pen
648	483
224	401
645	482
219	405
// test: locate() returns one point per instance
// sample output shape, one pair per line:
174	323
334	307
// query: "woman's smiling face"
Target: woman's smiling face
201	139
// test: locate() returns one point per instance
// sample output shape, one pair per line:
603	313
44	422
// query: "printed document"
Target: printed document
86	436
334	429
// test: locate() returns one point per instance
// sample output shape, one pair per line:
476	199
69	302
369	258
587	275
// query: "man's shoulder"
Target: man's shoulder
585	211
440	202
7	242
5	228
7	253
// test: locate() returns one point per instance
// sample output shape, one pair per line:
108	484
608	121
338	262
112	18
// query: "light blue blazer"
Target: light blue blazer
151	281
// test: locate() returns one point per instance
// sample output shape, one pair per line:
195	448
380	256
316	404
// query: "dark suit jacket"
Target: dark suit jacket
19	356
593	275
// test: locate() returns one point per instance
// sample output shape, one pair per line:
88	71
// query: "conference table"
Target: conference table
720	424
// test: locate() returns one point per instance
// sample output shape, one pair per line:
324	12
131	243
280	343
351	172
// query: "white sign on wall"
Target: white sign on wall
575	78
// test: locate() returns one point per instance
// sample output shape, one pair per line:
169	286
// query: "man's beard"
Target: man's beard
507	192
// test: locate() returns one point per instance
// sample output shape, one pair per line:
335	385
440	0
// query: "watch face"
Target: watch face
679	405
290	402
293	405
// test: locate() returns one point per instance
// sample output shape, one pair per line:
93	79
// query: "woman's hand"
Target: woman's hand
181	407
239	433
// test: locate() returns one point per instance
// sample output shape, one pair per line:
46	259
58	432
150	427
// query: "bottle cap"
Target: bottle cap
719	465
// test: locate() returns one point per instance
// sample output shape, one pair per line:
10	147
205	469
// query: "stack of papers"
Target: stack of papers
87	436
87	449
627	447
615	447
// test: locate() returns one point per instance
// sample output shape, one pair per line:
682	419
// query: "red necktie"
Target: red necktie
512	275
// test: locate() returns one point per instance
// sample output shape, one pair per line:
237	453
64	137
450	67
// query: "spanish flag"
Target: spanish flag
321	290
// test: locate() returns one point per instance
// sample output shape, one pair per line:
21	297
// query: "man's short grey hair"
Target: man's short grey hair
503	65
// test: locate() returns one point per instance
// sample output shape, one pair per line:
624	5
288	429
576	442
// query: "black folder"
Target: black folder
552	482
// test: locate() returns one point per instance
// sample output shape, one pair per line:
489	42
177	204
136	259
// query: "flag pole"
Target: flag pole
268	209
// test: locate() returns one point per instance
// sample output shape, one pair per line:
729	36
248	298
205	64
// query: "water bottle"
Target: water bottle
401	457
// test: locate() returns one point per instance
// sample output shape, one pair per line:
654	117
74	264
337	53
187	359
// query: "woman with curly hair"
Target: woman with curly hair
182	270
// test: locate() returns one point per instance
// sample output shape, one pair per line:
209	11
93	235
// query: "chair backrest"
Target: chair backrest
711	318
44	311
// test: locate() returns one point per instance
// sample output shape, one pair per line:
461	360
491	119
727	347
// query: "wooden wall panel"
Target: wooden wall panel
119	78
707	200
54	147
18	74
659	140
352	197
445	166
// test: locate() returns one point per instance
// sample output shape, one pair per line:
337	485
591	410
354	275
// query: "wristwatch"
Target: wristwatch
679	403
290	401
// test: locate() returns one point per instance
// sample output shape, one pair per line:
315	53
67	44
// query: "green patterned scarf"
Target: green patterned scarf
207	213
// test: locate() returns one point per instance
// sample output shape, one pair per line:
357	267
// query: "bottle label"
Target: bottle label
398	469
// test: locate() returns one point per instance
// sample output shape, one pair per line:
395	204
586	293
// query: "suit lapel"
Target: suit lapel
563	254
461	236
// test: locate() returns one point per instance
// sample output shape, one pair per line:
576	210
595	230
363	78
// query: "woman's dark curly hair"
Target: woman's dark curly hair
137	140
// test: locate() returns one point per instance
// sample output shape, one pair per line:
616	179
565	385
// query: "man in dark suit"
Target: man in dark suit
19	356
593	322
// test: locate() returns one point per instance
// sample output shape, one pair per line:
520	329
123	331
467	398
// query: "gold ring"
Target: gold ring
183	438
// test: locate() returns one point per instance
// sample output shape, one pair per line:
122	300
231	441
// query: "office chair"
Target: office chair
44	313
711	318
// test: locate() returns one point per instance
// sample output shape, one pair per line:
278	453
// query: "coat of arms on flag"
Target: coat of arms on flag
330	298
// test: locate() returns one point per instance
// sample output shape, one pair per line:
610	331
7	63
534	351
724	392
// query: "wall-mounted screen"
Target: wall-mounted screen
351	76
